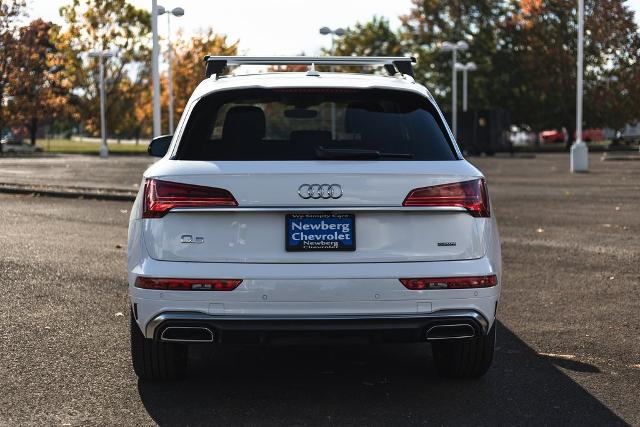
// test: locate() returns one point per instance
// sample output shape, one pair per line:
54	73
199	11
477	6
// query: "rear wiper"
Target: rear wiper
357	153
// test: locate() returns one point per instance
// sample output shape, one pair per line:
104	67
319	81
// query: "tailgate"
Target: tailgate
255	230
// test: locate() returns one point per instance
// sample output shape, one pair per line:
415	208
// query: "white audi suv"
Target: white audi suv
312	203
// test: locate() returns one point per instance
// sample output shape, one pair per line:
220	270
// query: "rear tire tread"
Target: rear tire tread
153	360
468	358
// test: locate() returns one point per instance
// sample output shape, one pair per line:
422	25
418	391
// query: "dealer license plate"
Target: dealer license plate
320	232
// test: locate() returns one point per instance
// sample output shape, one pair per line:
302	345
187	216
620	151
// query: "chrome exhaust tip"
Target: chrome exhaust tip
450	332
186	334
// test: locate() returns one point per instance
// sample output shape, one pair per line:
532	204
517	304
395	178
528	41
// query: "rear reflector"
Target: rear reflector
187	284
471	195
162	196
450	282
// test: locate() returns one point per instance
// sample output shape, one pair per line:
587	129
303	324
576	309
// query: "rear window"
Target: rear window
312	124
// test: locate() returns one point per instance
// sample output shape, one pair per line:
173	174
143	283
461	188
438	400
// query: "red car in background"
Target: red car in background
593	134
553	136
560	136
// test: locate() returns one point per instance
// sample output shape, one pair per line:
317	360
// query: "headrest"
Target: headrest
356	117
244	122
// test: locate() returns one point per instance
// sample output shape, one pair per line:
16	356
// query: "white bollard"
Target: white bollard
579	157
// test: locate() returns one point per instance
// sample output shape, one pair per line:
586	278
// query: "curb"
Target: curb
69	192
628	157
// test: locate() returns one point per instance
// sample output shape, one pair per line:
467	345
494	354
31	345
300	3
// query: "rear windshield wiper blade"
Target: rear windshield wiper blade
357	153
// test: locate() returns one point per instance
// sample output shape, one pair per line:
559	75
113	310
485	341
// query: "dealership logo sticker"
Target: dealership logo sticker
320	232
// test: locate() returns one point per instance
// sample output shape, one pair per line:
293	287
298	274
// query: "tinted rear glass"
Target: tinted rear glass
304	124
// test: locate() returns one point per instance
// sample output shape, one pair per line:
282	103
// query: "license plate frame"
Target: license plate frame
323	245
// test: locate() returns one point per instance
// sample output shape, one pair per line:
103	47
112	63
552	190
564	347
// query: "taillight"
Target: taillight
162	196
450	282
187	284
471	195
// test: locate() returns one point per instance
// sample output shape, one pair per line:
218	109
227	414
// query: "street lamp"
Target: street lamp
337	32
579	161
177	12
155	72
454	48
465	68
104	150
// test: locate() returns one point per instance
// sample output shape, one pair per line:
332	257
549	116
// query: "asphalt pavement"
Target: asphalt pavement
116	177
569	324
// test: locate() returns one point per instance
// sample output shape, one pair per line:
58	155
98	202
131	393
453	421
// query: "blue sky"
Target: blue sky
282	27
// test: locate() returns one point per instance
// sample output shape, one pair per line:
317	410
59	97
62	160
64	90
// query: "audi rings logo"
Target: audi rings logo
320	191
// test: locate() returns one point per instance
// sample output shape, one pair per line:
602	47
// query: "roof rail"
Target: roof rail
393	64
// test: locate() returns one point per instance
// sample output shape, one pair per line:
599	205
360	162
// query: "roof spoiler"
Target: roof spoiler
393	64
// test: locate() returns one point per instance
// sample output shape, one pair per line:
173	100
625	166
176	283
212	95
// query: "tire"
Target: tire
467	358
154	360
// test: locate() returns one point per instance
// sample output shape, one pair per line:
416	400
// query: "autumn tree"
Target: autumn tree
188	66
37	92
142	115
117	26
525	51
538	64
373	38
10	11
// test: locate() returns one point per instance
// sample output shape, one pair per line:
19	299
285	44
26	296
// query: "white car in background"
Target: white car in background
10	144
522	136
312	203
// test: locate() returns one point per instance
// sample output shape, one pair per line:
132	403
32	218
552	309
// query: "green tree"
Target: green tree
613	70
424	28
525	51
373	38
477	22
538	64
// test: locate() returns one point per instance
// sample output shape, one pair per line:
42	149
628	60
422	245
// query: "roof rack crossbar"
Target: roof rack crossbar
215	64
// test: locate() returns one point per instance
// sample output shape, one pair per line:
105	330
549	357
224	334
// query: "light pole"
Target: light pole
454	48
177	12
579	161
104	150
337	32
155	72
465	68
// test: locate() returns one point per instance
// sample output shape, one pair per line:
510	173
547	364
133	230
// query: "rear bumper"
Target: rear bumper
406	327
309	294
